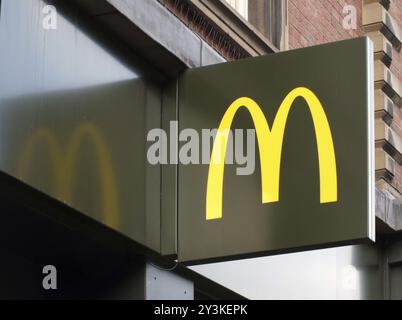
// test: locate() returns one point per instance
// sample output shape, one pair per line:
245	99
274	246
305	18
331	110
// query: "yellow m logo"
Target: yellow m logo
64	161
270	146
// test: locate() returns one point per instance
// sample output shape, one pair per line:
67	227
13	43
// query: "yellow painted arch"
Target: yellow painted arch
270	146
42	135
108	186
63	165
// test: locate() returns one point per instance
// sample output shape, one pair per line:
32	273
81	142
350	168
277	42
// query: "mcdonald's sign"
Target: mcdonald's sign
270	148
312	112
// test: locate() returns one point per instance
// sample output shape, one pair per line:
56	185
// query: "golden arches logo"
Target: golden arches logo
63	165
270	146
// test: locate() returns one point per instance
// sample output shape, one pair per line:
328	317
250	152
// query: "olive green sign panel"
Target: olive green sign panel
313	181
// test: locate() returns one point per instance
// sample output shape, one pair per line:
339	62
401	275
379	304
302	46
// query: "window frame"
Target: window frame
226	17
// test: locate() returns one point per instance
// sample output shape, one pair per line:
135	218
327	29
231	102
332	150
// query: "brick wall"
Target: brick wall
313	22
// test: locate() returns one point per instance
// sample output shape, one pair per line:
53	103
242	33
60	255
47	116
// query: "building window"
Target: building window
236	29
267	16
240	6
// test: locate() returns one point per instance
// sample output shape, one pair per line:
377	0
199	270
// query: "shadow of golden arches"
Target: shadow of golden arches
270	146
63	161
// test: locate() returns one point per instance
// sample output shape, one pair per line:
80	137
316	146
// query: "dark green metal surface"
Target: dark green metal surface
75	109
339	75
